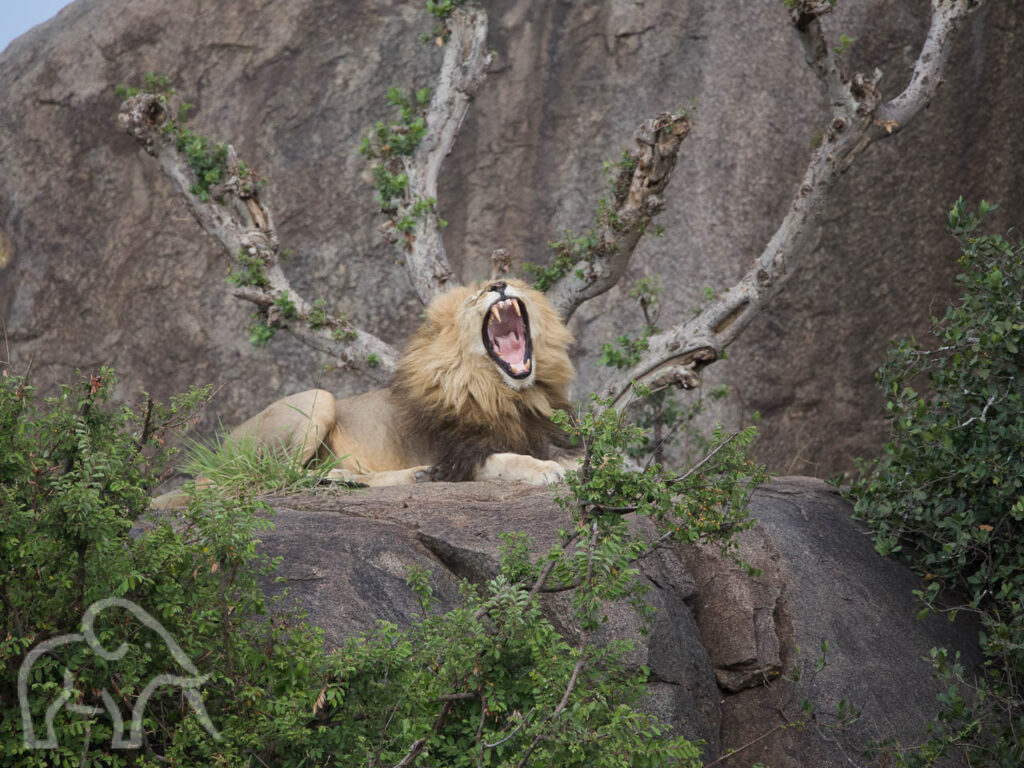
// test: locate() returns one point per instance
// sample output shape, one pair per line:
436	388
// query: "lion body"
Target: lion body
457	409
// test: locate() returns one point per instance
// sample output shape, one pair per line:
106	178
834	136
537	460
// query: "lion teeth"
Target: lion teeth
505	307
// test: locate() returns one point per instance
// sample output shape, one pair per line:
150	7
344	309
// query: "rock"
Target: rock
456	529
723	644
737	612
821	581
350	572
100	263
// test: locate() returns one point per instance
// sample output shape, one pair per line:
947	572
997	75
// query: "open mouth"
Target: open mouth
506	334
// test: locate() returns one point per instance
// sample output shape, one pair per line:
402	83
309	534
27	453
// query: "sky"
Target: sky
19	16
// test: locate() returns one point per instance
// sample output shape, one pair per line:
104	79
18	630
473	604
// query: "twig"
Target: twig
982	416
480	731
146	426
538	585
412	754
7	345
751	743
516	730
690	472
581	659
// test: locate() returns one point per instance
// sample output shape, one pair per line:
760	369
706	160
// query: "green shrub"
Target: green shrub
487	683
75	477
948	493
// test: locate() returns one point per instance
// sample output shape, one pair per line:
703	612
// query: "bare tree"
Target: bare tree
234	215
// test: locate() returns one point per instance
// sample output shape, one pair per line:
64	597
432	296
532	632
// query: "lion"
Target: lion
471	399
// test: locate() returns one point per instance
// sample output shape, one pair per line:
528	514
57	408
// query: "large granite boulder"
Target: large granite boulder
723	645
100	263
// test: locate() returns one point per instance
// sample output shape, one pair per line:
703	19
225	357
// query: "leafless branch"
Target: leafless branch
501	264
820	56
463	70
636	199
234	216
752	742
859	118
897	113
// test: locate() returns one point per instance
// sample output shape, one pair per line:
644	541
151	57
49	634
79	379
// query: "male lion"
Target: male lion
471	399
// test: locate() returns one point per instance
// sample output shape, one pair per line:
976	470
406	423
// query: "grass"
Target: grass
246	467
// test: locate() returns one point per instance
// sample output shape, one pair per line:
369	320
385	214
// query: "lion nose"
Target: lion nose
497	287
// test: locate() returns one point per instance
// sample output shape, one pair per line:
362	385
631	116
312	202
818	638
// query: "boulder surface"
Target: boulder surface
723	644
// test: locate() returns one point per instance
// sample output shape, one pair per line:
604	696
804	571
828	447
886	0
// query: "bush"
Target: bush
488	683
74	479
948	493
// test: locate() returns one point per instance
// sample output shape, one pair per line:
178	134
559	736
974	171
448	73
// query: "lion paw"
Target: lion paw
549	472
340	477
425	475
521	468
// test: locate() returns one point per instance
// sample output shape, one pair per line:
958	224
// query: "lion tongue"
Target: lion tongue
512	348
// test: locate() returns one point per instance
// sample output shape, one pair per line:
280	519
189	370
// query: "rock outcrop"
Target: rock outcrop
723	645
101	264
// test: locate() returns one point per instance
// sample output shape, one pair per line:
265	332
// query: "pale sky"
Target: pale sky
19	16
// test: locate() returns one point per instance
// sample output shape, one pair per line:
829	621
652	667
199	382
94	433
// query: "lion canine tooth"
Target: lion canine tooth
526	365
495	313
515	306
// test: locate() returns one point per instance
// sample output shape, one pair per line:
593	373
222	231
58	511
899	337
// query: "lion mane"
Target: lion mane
472	398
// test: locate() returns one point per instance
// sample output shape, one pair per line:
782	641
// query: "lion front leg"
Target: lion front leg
378	479
520	468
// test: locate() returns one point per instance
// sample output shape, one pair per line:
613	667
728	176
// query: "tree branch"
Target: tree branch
462	71
820	56
859	117
233	215
947	15
636	199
